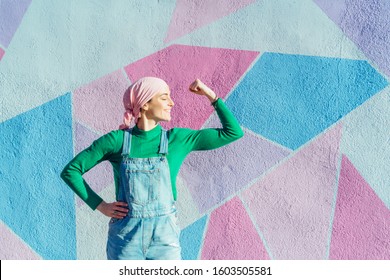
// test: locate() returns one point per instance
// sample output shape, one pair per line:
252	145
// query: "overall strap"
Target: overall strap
126	142
164	142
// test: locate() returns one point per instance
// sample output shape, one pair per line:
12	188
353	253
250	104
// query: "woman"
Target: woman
146	160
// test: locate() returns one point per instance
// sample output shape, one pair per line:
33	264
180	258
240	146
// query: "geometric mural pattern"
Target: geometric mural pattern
99	177
287	187
32	202
292	206
184	21
1	53
12	13
211	182
365	22
192	235
18	250
357	205
302	95
240	240
223	69
366	143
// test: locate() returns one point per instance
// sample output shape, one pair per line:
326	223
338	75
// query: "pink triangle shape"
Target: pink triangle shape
180	65
292	205
361	227
190	15
13	248
232	236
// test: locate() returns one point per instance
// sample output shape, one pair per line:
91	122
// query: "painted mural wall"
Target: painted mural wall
307	80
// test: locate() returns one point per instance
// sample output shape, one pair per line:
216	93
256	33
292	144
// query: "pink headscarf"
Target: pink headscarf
137	95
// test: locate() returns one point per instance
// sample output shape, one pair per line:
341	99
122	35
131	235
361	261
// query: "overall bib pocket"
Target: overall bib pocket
143	185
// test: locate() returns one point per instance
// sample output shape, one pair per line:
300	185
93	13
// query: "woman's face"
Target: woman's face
159	107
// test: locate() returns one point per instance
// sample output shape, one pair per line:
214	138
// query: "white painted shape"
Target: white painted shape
187	209
92	229
366	142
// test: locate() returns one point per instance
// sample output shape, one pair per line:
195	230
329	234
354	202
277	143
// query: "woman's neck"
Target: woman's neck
146	124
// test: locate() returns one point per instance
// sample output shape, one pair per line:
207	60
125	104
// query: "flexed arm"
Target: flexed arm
211	138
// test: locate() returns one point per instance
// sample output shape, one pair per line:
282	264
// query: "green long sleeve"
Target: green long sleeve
145	144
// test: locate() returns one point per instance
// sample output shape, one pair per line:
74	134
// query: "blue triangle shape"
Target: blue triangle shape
191	239
292	98
35	203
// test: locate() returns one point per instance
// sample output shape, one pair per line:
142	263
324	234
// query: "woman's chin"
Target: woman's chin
165	120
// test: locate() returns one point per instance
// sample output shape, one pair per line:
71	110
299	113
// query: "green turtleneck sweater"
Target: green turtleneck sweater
145	144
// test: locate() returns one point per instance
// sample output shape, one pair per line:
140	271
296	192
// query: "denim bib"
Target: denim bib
150	230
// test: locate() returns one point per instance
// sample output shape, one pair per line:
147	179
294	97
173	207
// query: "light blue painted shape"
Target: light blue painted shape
292	98
61	45
191	239
35	203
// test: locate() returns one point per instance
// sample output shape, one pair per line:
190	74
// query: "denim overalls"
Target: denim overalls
149	231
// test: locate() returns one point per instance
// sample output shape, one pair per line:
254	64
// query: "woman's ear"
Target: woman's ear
145	107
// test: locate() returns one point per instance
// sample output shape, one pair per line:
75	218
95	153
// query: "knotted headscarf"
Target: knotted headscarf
137	95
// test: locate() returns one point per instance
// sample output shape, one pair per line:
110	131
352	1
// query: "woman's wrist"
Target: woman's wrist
101	206
214	100
212	96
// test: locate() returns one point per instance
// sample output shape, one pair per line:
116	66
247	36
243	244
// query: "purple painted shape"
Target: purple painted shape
366	23
212	176
292	206
101	175
180	65
2	52
190	15
361	227
11	15
13	248
232	236
99	103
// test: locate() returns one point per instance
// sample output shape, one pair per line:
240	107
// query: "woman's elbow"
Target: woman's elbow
64	174
236	135
240	134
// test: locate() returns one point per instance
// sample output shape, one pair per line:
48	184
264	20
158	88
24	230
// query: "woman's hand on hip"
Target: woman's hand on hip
200	88
115	209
